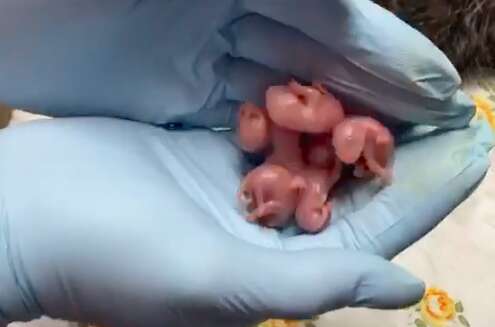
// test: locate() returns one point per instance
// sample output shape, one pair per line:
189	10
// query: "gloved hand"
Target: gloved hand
124	224
193	61
128	225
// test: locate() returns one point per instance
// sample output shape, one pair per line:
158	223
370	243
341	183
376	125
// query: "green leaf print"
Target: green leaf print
464	321
419	323
459	307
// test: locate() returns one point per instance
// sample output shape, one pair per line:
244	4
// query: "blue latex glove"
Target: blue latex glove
125	224
160	61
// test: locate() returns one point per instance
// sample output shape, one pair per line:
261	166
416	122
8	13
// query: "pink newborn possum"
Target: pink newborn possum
366	143
254	128
280	187
306	109
317	169
304	182
322	171
306	139
270	194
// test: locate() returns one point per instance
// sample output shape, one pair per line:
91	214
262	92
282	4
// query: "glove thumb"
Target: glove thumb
302	284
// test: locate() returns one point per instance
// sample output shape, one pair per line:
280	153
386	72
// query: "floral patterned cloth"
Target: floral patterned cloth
436	309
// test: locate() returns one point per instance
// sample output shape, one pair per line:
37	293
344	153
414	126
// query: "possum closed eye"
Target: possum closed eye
463	29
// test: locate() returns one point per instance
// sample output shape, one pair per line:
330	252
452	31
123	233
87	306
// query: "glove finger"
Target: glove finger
243	80
248	81
432	176
356	26
128	59
395	71
303	284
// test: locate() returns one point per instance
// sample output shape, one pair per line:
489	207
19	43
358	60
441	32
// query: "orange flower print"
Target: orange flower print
438	309
280	323
484	109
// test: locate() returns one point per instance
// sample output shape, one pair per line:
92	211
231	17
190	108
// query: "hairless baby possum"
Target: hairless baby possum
306	139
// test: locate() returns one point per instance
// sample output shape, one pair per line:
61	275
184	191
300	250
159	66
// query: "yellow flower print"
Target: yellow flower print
437	307
484	109
280	323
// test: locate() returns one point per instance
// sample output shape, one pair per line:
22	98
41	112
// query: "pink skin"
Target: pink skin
294	178
254	128
318	150
322	172
294	186
314	208
307	109
274	185
286	149
366	143
270	194
314	183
